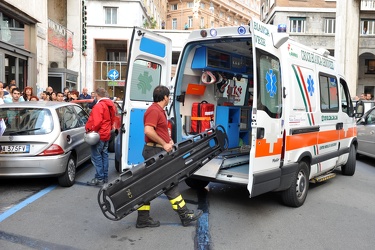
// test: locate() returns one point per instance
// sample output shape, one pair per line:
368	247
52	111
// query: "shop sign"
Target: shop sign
116	83
60	37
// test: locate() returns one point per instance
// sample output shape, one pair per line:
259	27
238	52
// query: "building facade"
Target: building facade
75	44
204	14
23	41
345	28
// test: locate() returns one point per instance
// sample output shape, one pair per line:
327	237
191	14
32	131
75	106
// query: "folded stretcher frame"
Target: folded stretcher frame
146	181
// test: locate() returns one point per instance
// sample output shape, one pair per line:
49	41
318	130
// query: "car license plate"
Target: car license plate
15	149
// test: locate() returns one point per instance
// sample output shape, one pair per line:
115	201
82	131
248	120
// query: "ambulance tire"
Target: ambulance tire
117	166
296	194
349	168
196	184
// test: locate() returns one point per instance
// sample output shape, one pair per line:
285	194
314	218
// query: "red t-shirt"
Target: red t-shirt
155	117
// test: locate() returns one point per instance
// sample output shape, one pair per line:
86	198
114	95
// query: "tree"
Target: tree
150	24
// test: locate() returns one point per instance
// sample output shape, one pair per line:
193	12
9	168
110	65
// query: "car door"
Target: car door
82	147
72	130
149	65
366	134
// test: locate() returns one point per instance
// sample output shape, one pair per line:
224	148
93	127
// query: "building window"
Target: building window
212	24
297	24
175	56
202	23
203	6
329	25
110	15
368	27
174	6
116	55
370	66
174	23
190	21
190	4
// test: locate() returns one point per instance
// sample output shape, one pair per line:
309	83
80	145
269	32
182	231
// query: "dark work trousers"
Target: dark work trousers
149	151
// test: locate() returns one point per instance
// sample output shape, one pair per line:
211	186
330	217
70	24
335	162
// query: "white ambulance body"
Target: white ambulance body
287	113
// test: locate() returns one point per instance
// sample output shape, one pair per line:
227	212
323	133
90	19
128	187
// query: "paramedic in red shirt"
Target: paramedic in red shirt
101	120
157	139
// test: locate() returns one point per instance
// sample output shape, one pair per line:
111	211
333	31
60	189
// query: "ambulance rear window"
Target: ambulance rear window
269	84
146	76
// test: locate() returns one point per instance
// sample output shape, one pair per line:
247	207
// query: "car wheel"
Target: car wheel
196	184
296	194
117	166
348	168
111	145
68	178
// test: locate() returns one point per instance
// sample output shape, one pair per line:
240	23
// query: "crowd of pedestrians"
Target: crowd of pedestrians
11	93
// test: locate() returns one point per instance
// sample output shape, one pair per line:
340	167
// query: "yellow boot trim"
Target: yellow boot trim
144	208
177	202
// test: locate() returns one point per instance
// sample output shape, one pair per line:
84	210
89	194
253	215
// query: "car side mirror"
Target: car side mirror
359	109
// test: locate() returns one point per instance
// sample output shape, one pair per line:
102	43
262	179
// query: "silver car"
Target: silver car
366	133
43	139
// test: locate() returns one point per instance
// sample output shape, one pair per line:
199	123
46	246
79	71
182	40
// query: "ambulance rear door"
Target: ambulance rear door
149	65
267	114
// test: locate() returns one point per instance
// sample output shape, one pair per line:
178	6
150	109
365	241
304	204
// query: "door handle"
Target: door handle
260	133
339	126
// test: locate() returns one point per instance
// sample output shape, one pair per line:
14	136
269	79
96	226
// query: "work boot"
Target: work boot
187	216
144	220
95	182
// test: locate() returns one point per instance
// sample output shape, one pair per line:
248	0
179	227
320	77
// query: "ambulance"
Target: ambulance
286	111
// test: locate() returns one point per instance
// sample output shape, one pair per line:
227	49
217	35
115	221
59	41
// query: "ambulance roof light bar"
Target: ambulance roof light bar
280	37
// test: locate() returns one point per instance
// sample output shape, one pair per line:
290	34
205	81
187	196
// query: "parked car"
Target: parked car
85	104
366	133
43	139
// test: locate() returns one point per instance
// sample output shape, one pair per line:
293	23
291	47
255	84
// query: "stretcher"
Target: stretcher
146	181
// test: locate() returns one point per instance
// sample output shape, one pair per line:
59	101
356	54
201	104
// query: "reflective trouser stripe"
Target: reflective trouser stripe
144	208
177	202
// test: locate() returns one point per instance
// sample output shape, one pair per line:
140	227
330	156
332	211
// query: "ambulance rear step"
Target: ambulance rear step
159	173
323	177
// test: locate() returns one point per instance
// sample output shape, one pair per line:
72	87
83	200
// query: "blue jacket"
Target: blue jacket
81	97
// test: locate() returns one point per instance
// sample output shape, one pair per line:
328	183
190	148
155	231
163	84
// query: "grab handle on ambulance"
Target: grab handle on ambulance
339	126
260	133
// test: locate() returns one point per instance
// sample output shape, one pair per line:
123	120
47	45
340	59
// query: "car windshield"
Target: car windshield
26	121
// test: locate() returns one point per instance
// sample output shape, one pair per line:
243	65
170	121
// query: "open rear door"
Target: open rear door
267	115
149	65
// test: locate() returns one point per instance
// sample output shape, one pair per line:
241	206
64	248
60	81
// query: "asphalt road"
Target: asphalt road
338	214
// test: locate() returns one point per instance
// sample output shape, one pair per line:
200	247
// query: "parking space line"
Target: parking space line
31	242
202	236
26	202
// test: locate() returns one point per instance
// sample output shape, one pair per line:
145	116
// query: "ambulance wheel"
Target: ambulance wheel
296	194
196	184
117	166
349	168
111	146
